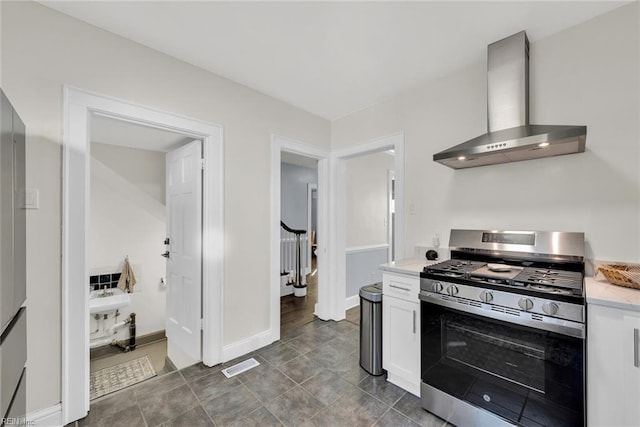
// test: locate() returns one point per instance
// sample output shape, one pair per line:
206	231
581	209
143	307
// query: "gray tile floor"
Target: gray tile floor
311	377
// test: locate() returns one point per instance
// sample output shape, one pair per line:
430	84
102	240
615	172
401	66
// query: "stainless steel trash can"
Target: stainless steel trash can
371	328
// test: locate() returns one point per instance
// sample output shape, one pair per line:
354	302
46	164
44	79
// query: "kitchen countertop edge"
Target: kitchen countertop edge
601	292
410	266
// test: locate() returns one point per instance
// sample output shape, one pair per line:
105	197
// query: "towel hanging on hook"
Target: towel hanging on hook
127	278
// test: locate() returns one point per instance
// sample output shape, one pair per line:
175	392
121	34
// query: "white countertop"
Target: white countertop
411	266
601	292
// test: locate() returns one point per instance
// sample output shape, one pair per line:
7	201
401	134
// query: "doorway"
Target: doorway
308	169
338	225
78	109
369	221
298	264
312	223
130	210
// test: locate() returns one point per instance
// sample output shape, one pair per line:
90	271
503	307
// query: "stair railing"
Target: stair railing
290	252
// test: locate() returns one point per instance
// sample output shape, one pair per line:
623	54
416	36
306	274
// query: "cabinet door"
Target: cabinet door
613	382
19	214
13	356
401	342
6	211
631	368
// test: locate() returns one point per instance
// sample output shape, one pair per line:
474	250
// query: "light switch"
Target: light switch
412	208
31	198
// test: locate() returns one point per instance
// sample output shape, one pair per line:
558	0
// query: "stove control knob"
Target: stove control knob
452	290
437	287
525	303
551	308
486	296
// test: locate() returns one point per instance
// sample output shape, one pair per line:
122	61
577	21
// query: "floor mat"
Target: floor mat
117	377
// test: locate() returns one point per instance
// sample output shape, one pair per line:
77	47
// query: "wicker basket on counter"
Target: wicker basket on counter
627	275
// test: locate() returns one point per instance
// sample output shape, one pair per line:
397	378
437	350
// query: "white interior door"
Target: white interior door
184	262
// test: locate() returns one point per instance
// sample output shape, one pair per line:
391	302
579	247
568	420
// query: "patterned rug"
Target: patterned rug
117	377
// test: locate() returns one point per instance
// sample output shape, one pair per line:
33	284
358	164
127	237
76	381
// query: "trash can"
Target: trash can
371	328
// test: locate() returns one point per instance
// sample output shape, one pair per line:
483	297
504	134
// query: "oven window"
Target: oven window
528	376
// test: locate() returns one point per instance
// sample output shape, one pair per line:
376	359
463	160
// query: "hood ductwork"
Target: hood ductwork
510	137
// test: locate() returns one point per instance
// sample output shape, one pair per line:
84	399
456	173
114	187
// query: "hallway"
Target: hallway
297	311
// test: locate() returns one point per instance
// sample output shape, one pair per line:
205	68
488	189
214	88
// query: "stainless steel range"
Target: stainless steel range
503	330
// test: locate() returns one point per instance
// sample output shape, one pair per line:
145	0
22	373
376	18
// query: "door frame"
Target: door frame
337	211
78	105
310	189
279	144
390	212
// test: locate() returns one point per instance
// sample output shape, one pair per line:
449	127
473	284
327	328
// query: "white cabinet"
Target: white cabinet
13	267
401	330
13	229
613	371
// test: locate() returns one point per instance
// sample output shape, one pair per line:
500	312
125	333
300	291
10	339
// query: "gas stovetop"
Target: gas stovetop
545	264
535	280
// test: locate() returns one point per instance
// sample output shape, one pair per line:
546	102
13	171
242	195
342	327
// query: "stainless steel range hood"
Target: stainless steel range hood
510	137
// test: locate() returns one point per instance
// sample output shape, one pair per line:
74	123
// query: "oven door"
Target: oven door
522	375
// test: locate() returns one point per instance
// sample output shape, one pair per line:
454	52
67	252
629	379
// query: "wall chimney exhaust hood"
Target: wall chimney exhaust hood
510	137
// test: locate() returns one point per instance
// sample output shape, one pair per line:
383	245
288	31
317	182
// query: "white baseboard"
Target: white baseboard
237	349
48	417
351	302
286	290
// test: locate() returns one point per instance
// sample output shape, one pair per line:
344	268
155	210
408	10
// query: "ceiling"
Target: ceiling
330	58
106	130
299	160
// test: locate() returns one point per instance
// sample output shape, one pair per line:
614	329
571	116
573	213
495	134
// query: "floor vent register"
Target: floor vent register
241	367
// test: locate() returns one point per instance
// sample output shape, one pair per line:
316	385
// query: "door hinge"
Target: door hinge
202	324
202	164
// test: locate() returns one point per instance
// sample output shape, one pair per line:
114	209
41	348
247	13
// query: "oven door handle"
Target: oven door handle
551	324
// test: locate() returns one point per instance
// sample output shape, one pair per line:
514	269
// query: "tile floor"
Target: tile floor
311	377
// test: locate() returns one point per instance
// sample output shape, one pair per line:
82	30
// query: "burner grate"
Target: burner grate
454	267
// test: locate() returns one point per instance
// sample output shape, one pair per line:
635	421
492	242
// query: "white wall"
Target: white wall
41	51
366	194
363	268
588	74
128	218
367	214
143	168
